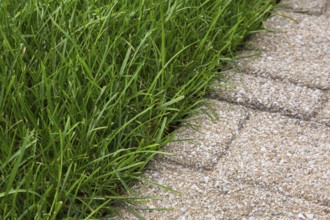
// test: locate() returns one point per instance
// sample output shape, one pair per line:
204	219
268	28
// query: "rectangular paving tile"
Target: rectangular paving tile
272	95
283	155
204	195
208	141
314	7
298	50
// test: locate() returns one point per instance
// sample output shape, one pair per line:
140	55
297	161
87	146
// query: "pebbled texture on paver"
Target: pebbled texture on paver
205	195
297	51
282	155
314	7
271	95
267	155
205	143
276	168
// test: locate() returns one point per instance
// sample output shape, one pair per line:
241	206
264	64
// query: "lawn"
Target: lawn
91	89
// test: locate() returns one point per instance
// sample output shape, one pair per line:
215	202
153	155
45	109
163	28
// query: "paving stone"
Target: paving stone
298	50
283	155
272	95
209	140
207	196
314	7
257	165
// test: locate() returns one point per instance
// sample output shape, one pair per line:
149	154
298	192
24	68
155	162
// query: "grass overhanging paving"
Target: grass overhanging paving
90	89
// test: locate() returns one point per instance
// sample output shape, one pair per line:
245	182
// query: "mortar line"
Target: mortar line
282	79
241	126
309	119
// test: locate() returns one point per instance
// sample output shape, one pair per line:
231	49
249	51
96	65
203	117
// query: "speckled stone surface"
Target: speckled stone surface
208	195
314	7
210	138
298	51
267	154
284	155
276	168
272	95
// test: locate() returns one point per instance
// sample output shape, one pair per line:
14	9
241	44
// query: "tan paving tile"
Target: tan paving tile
272	95
315	7
283	155
258	165
298	51
209	140
208	196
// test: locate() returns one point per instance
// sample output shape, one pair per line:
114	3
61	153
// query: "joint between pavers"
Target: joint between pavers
187	166
320	123
327	8
282	112
256	107
235	135
267	75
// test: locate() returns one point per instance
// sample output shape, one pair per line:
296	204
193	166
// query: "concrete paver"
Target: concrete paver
314	7
272	95
205	195
283	155
301	53
267	155
276	168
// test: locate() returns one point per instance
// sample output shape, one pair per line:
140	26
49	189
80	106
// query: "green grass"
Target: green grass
91	89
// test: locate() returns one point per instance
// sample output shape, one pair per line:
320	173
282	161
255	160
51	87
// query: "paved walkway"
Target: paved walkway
267	153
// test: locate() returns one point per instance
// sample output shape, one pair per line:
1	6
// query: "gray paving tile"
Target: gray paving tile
257	165
298	50
283	155
315	7
209	140
204	195
272	95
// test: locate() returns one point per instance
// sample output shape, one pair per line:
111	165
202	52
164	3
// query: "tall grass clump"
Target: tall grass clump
90	89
